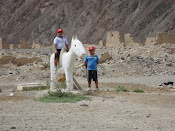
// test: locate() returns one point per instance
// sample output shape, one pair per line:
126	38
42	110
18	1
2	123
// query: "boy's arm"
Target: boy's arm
97	60
67	46
55	45
85	64
85	61
55	48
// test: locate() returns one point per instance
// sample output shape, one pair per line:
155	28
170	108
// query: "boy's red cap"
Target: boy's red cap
91	48
59	30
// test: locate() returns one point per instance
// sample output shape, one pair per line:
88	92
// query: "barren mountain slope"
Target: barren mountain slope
38	20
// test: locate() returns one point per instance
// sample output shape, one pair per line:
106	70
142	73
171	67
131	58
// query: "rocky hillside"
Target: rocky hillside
38	20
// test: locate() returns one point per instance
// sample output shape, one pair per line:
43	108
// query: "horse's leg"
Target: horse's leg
69	79
52	75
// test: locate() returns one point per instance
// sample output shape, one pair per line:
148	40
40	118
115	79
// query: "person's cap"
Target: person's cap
91	48
59	30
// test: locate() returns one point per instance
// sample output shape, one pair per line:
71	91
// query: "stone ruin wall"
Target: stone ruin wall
2	45
165	38
150	41
36	46
23	45
129	40
113	38
160	38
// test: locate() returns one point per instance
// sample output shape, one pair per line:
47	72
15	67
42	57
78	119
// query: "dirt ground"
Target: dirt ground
108	110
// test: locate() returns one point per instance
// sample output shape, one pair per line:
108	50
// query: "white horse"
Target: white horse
66	62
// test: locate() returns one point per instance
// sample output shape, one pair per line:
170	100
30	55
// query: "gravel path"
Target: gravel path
100	114
107	111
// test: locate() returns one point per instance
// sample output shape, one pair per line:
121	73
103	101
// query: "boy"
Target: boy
59	42
91	62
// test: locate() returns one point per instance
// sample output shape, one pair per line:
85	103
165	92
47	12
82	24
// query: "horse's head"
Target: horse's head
77	46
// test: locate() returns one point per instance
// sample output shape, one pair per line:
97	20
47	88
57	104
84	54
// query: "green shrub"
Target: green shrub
62	97
121	89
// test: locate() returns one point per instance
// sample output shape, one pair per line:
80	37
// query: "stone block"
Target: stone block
41	67
30	86
104	57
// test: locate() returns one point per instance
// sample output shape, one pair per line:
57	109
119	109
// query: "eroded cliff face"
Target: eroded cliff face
38	20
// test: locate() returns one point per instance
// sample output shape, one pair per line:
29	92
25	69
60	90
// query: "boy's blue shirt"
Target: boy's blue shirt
91	62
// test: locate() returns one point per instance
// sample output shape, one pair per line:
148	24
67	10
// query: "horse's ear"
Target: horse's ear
76	37
73	37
